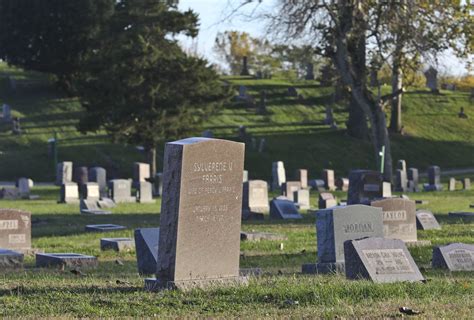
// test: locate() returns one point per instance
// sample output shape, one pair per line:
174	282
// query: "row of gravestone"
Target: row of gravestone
119	191
466	184
200	220
21	190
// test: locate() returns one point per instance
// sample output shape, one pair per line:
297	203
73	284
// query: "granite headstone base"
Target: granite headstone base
323	268
10	259
117	244
65	259
249	215
155	285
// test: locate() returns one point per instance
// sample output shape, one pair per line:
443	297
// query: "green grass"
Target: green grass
293	131
117	290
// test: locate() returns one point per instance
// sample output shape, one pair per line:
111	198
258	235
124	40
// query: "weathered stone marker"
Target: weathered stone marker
425	220
70	260
302	177
117	244
278	175
91	191
326	200
141	172
104	227
121	190
289	187
380	260
452	184
257	236
145	192
338	224
146	244
466	183
434	179
455	257
301	199
342	184
10	259
69	193
283	209
399	220
15	230
329	182
99	175
364	186
255	199
413	180
200	217
63	173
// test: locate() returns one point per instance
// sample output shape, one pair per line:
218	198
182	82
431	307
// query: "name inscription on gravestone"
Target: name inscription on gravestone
15	229
388	261
461	259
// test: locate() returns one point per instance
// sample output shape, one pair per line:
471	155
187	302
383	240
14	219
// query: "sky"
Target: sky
213	17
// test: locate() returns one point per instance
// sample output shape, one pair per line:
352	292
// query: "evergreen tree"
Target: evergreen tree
51	36
140	86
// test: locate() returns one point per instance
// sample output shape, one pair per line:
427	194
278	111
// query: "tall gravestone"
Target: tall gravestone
289	187
402	182
302	177
302	199
364	186
145	192
432	79
6	113
434	179
452	184
99	175
15	229
64	173
121	190
413	180
399	219
338	224
278	175
200	217
69	193
81	177
328	177
255	199
141	172
309	71
24	188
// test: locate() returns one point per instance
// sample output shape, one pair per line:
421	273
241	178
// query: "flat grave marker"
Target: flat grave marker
117	244
425	220
10	259
455	257
71	260
283	209
104	227
380	260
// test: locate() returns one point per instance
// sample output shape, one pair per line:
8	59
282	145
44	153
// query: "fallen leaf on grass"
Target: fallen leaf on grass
409	311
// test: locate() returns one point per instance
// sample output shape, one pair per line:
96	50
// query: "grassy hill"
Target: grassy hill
293	131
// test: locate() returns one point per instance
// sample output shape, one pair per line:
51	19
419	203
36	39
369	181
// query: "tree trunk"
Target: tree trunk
151	157
347	58
397	83
357	124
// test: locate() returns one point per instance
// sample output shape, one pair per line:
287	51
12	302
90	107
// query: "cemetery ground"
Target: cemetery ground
116	289
293	130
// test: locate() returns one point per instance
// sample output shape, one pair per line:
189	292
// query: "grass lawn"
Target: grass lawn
117	290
